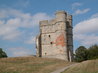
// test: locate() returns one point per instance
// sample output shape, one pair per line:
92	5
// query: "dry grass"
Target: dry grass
30	65
90	66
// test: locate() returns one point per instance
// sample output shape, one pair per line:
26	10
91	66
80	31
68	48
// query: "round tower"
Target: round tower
61	16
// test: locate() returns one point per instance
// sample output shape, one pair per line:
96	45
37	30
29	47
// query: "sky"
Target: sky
19	23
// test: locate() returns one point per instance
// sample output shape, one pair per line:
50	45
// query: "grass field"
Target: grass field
30	65
90	66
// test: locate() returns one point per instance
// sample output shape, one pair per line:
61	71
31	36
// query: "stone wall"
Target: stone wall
55	39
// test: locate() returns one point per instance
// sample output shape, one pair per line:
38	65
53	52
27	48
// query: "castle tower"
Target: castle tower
56	38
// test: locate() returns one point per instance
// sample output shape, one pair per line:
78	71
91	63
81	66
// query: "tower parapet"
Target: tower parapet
61	16
44	22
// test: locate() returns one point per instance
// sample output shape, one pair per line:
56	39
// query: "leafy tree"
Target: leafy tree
93	52
81	54
2	53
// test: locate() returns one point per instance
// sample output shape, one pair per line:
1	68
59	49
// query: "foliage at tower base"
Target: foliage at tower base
82	53
93	52
2	53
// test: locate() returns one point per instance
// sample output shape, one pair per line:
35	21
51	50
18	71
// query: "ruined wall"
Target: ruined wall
56	37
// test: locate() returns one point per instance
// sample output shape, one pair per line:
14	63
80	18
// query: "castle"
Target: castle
56	38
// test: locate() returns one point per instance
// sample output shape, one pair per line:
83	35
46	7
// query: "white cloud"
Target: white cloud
86	32
86	40
87	26
75	5
78	11
12	36
12	20
23	19
95	15
40	16
31	40
19	51
1	22
9	32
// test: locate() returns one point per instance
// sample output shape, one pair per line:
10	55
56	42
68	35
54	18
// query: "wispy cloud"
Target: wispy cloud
75	5
86	32
76	8
13	20
8	31
95	15
78	11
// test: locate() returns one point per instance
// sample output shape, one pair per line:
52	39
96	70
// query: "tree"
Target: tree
2	53
93	52
81	54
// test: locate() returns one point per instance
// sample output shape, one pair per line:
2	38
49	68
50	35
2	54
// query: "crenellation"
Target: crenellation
43	23
52	22
61	16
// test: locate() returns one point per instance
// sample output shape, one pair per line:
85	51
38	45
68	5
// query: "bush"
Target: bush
2	53
93	52
81	54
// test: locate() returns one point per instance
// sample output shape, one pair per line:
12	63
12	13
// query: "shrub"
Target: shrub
2	53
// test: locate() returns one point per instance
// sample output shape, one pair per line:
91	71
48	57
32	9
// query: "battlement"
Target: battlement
60	12
60	16
53	21
44	22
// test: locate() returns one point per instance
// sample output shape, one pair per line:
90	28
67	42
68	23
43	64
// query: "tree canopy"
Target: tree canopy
93	52
82	53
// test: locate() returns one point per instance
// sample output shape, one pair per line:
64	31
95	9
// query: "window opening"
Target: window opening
49	36
45	53
51	43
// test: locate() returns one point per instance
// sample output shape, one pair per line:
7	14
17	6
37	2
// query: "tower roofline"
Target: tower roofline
63	12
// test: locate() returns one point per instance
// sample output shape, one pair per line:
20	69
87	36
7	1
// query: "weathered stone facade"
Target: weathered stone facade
56	38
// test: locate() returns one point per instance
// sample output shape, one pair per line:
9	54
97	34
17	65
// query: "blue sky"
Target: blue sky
19	22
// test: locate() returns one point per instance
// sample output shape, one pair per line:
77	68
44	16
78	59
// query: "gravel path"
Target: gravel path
61	70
